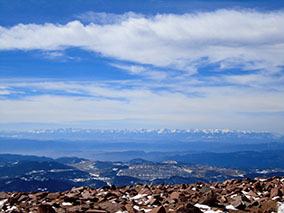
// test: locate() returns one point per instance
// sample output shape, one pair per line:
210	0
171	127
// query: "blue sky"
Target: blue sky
142	64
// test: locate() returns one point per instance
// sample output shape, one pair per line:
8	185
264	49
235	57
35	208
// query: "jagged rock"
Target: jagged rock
3	195
45	208
110	195
22	198
96	211
145	190
250	195
230	188
112	187
75	209
209	198
109	206
76	189
159	209
188	208
268	207
222	199
275	192
41	195
154	201
174	195
254	203
257	186
204	190
53	196
129	208
239	202
253	194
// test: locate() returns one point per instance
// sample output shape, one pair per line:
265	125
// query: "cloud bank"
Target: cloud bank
168	53
191	107
245	39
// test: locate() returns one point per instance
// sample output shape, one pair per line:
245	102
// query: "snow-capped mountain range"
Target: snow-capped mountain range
211	135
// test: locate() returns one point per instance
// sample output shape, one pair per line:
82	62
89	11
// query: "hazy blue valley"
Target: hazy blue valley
122	157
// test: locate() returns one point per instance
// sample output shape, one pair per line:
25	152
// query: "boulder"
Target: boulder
45	208
159	209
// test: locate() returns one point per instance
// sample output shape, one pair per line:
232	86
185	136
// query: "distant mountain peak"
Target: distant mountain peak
206	135
142	130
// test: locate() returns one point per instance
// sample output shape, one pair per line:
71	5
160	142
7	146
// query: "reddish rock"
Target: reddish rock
109	196
253	203
96	211
268	207
222	199
199	183
275	192
129	208
74	209
204	189
282	190
239	204
23	198
154	201
3	195
188	208
215	185
76	189
159	209
208	198
269	186
45	208
53	196
253	194
179	198
41	195
266	194
85	206
230	188
32	196
109	206
257	186
112	187
145	191
174	195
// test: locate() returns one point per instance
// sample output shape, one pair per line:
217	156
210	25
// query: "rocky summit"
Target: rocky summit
235	195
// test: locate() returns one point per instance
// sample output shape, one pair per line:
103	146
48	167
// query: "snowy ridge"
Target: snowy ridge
145	134
143	131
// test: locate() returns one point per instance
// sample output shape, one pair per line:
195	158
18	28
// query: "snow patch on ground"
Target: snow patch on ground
66	204
280	207
230	207
2	202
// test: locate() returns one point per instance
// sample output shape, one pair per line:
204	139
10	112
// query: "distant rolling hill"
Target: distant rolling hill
32	173
240	160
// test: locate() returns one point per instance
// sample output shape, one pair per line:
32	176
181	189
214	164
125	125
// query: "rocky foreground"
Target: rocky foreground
246	195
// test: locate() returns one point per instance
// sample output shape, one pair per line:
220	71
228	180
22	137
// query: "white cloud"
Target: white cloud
221	107
132	69
250	39
247	40
107	18
143	71
5	92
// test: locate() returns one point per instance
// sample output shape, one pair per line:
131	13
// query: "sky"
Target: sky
142	64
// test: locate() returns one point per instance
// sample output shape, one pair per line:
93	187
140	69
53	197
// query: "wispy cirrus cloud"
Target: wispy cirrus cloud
246	39
170	99
143	71
107	18
184	103
168	57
